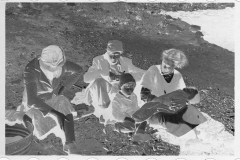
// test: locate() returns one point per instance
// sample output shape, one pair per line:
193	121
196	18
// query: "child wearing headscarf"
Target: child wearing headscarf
43	100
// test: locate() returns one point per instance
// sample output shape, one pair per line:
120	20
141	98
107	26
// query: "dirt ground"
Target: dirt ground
83	30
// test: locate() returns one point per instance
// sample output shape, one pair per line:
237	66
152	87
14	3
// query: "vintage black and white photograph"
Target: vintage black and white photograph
120	79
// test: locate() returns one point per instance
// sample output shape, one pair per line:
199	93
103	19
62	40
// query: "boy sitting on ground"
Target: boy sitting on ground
124	104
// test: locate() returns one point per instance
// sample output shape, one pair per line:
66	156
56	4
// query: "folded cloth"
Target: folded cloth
149	109
168	103
181	122
193	115
43	125
179	129
177	98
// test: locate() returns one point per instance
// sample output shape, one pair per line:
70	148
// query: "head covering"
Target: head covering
125	78
52	55
115	46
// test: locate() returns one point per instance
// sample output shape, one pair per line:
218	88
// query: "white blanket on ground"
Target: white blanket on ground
210	137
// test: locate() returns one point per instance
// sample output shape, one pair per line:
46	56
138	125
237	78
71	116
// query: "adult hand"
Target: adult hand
176	98
114	76
60	117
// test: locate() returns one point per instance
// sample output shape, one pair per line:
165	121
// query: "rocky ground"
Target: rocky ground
83	30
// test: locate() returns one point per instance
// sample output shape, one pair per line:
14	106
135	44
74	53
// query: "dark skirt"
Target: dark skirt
180	122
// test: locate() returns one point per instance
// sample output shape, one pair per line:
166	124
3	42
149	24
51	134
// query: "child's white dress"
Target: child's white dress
121	107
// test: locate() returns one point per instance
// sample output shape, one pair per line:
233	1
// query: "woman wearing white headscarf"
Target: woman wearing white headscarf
43	81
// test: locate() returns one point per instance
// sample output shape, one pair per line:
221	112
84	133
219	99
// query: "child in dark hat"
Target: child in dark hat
124	105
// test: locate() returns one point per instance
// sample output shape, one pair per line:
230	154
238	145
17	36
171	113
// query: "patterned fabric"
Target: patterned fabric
43	124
